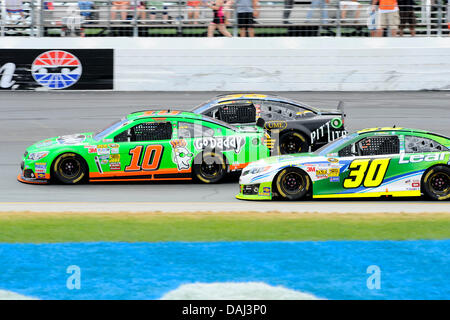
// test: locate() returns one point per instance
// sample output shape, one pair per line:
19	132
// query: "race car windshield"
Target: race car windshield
326	149
111	128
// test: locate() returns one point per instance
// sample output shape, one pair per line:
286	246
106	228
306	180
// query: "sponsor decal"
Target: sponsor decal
333	172
71	139
107	140
40	176
265	191
73	69
334	179
332	160
327	132
270	125
114	148
114	158
56	69
114	166
414	158
40	168
336	123
91	149
310	169
222	143
321	173
181	156
103	150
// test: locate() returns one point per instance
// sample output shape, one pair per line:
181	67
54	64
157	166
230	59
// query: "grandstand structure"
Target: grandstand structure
170	19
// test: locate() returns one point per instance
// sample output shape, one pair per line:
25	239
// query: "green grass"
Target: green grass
44	228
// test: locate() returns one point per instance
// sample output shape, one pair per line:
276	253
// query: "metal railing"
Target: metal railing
176	18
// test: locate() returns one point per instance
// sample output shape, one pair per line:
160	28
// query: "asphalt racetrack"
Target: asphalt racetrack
27	117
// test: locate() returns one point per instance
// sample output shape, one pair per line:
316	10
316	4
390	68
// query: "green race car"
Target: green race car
370	163
147	145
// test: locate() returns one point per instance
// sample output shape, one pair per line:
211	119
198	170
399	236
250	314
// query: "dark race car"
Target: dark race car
295	127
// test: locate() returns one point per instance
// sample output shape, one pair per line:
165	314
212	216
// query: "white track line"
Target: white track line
299	207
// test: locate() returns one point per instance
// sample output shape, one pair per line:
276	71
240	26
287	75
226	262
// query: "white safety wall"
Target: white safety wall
261	64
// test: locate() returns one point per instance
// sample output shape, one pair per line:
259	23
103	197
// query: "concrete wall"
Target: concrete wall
259	64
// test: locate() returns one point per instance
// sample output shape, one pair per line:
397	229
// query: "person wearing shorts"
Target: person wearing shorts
388	16
407	16
121	6
246	11
218	19
157	6
193	10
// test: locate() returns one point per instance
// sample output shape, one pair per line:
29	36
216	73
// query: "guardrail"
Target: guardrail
191	18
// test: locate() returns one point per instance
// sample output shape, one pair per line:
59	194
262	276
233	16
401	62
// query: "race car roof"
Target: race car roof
244	96
399	129
176	114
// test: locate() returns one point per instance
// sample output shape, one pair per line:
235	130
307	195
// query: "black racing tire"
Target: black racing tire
292	184
436	183
209	167
70	168
292	142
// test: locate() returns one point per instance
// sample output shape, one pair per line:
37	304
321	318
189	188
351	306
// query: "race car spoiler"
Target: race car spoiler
340	107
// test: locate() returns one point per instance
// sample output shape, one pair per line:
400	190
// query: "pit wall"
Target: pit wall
243	64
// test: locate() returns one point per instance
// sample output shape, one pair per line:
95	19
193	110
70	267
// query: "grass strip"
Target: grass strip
244	226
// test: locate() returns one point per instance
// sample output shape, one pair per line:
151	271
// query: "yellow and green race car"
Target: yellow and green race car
370	163
147	145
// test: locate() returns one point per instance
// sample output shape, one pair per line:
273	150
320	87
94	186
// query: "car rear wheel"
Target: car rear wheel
292	184
292	142
436	183
70	168
209	167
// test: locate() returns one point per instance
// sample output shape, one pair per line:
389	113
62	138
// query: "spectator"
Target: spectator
138	8
228	10
288	5
322	4
193	10
388	16
14	6
246	11
121	6
407	16
156	7
218	20
352	5
372	21
85	8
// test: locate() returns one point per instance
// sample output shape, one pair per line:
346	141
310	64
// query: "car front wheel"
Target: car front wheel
70	168
292	184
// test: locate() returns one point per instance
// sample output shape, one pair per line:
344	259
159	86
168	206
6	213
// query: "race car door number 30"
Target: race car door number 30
368	172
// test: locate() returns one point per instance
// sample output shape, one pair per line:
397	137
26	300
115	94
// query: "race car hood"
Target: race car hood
264	170
68	140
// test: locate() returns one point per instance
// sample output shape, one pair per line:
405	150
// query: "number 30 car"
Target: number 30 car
370	163
147	145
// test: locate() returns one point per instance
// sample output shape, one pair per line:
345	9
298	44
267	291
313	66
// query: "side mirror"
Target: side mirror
260	122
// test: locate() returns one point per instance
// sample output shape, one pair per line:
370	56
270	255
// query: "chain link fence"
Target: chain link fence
178	18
